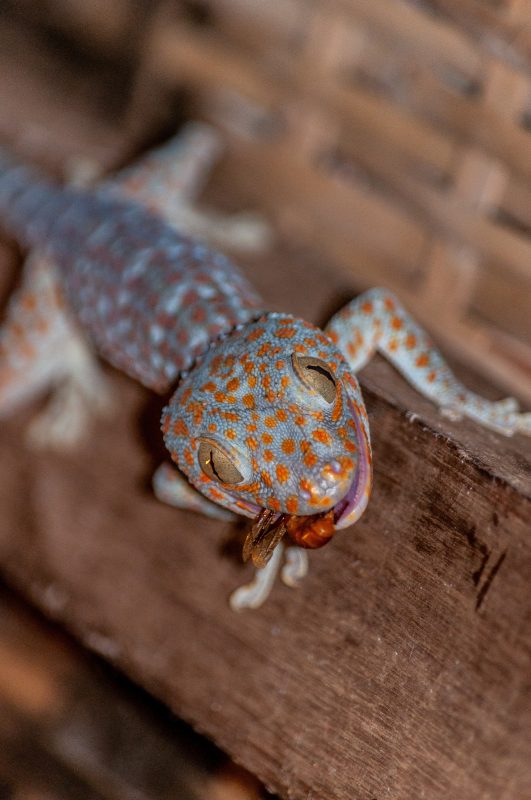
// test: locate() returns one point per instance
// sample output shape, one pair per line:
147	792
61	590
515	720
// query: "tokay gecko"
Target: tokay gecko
267	418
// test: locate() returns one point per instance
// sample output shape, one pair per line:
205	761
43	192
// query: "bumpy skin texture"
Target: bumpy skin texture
109	264
297	453
150	299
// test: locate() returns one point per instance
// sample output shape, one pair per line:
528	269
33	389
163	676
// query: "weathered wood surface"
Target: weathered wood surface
400	669
73	729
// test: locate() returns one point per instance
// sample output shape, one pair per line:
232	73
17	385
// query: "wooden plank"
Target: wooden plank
399	668
253	170
181	53
473	122
198	59
414	34
71	728
498	35
402	660
443	214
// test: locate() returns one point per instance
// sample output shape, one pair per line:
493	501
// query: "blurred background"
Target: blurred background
387	141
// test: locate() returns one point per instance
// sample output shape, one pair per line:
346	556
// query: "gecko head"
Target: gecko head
272	419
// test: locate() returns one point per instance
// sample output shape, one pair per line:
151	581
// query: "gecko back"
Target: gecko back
150	298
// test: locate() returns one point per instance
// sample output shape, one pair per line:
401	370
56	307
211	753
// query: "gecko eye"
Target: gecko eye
216	464
316	375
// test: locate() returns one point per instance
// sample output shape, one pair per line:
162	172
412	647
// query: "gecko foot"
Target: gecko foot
255	593
296	566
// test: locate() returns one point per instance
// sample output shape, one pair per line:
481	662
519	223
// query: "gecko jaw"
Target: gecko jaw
350	508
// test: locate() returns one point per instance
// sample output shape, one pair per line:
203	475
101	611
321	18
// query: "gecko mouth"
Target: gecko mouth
310	532
315	530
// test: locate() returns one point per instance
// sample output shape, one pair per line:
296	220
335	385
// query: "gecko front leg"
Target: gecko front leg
376	321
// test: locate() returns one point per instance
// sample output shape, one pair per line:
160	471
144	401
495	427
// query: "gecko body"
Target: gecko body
267	417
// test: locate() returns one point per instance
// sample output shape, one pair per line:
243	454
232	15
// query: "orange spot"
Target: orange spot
230	433
215	365
263	349
251	442
389	304
282	472
266	381
279	364
212	427
248	401
423	360
216	494
210	386
274	503
221	397
251	380
230	415
268	455
346	463
288	446
233	384
396	323
256	334
392	345
281	414
270	422
338	408
320	435
188	457
266	478
166	423
251	427
285	381
300	420
292	504
310	459
367	308
180	428
267	438
431	377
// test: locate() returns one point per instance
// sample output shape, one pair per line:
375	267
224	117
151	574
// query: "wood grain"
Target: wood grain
400	668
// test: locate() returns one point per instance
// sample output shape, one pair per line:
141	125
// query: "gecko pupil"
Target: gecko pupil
213	466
